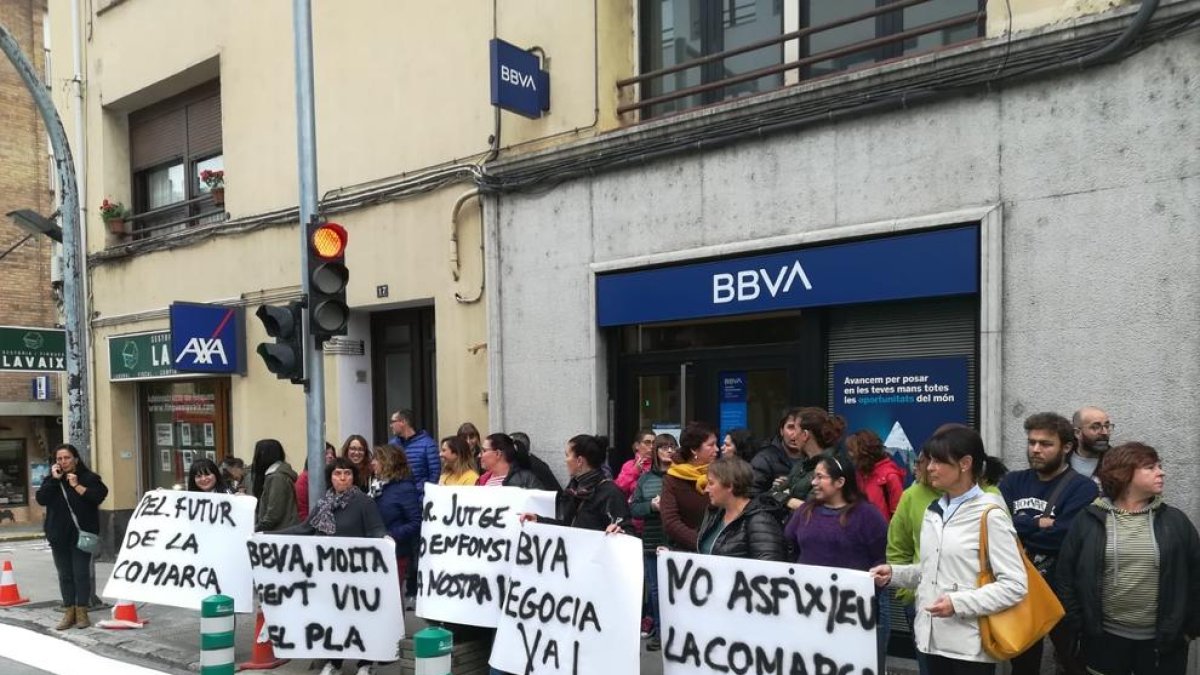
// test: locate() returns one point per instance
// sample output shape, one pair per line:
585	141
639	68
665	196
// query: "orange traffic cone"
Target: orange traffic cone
262	657
9	595
124	617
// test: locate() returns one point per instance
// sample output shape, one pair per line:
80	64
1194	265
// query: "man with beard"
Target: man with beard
1092	430
1044	500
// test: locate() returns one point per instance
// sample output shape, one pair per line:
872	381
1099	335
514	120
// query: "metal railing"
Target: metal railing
196	211
974	17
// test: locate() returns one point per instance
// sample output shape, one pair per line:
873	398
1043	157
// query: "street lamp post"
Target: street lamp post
78	432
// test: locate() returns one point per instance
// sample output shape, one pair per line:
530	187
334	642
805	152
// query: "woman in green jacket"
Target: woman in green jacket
274	488
643	506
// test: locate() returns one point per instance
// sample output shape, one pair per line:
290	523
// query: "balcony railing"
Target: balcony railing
175	217
633	87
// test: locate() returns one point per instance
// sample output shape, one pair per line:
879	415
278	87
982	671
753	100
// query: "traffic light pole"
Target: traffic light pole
306	143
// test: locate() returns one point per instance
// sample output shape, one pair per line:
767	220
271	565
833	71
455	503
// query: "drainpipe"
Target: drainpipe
455	268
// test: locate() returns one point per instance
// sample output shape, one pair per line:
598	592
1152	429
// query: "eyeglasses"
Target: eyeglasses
666	446
1097	427
646	441
822	476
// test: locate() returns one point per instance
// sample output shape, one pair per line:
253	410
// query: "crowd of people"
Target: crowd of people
1090	518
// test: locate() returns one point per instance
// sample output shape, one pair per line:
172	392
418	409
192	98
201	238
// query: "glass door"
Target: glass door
184	420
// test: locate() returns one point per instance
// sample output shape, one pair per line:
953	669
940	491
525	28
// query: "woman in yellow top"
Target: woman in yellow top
458	466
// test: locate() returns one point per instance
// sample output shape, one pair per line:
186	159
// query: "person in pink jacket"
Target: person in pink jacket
880	479
643	453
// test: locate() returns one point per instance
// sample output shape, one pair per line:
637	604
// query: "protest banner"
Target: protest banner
181	547
572	604
467	540
732	615
328	597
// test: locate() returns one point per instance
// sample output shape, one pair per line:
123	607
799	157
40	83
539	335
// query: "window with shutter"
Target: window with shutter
170	143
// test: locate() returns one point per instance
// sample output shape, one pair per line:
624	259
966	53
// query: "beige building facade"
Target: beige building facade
403	125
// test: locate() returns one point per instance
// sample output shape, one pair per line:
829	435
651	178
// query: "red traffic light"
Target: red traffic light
328	241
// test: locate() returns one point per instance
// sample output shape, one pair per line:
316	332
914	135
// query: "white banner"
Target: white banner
722	615
572	604
181	547
328	597
467	538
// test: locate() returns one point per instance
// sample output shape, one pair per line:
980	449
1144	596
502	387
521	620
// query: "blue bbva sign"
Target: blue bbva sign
518	82
921	265
207	338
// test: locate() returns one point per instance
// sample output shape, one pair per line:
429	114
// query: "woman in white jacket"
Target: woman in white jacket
949	599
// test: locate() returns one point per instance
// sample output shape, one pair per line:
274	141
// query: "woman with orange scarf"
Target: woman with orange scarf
684	500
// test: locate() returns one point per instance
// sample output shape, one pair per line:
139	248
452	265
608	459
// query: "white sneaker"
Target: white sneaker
329	669
365	670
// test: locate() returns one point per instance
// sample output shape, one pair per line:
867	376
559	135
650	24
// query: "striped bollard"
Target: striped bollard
431	649
216	635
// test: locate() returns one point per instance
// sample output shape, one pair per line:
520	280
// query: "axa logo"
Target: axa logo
203	351
745	285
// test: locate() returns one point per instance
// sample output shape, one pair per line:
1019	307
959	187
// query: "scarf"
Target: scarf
690	472
582	486
331	503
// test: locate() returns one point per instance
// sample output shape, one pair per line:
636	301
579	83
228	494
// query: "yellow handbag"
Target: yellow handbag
1016	629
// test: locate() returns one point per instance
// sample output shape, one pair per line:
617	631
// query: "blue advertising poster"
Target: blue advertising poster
207	338
903	401
732	401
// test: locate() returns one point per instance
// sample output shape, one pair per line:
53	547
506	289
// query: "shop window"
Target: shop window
171	143
184	421
14	483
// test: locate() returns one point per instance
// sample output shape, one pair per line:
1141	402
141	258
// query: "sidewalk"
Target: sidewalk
22	532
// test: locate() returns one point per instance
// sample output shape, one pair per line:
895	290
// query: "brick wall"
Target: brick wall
25	296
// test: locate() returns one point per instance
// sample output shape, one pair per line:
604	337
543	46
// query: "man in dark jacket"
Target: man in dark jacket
1044	500
776	458
527	460
419	447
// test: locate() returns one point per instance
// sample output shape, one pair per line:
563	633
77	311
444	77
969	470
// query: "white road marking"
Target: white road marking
59	656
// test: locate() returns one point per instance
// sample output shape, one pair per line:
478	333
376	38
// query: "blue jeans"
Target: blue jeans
650	574
910	613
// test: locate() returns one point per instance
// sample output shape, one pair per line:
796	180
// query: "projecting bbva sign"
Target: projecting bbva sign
924	264
518	83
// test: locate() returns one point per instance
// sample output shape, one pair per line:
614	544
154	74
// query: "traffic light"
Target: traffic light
327	279
284	357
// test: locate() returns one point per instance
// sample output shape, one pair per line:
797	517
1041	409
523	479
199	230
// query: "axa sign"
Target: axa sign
207	338
918	265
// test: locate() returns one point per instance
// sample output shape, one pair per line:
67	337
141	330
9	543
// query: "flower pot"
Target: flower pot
116	225
218	196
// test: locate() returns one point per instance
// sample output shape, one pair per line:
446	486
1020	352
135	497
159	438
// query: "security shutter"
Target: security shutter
204	127
908	330
155	140
187	126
